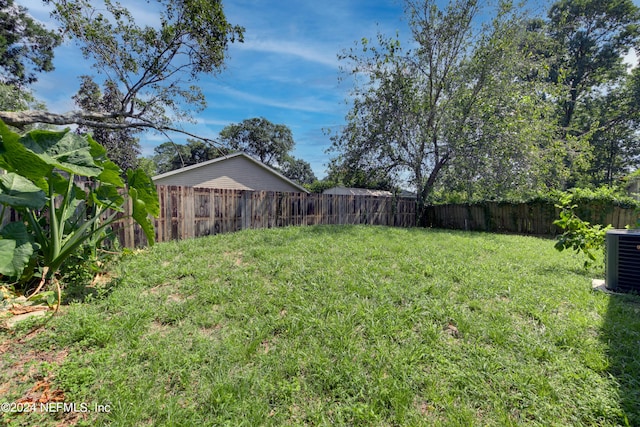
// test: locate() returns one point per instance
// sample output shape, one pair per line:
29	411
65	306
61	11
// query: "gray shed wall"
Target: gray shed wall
237	173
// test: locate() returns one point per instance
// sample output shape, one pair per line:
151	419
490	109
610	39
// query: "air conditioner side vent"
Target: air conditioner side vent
623	260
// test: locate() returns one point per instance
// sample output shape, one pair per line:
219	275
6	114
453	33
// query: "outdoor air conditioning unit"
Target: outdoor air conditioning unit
623	260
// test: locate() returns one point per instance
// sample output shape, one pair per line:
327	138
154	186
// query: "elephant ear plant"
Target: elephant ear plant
58	216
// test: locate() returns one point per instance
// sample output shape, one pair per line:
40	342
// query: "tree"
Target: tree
349	170
319	186
154	67
198	152
170	156
615	116
591	38
123	148
453	96
298	170
270	143
26	47
14	98
584	42
148	165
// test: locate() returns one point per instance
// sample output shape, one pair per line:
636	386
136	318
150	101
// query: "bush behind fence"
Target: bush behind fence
534	218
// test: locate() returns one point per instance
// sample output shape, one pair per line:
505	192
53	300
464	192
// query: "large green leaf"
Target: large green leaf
141	216
64	150
146	190
14	157
145	201
18	192
98	152
108	196
16	249
5	135
111	174
7	249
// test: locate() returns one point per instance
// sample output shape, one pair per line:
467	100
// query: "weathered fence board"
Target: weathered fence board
524	218
187	212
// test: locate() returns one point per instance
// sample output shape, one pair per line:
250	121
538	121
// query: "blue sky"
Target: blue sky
286	70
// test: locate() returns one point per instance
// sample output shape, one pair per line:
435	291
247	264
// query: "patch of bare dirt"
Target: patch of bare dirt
175	298
23	379
235	258
159	328
165	289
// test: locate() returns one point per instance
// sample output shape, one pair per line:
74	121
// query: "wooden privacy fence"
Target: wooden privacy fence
187	212
523	218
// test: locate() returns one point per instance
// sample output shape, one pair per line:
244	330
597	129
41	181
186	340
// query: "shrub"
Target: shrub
58	216
579	235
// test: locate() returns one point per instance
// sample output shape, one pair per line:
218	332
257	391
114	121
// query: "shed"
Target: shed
349	191
237	171
346	191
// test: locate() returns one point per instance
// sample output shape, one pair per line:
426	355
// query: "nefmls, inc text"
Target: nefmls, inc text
53	407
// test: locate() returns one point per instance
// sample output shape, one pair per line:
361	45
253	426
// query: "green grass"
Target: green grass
348	326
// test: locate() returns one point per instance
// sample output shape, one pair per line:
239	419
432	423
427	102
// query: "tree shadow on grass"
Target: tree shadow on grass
621	334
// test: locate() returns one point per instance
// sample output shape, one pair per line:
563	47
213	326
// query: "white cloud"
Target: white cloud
211	122
312	54
308	104
36	7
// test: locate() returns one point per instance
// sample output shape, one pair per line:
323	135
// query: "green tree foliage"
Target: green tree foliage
349	171
26	46
14	98
169	156
454	97
154	67
148	165
121	145
615	141
591	37
584	42
298	170
318	186
268	142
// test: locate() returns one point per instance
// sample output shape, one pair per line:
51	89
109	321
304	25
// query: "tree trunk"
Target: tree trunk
425	191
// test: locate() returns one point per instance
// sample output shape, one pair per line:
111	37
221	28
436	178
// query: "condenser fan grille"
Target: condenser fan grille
623	260
629	262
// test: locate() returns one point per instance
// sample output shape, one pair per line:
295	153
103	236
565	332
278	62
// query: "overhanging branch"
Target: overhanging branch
92	119
89	119
82	118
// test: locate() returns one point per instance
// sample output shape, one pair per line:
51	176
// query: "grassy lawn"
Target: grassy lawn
340	326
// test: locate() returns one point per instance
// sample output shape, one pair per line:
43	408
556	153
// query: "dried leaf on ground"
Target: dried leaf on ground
41	393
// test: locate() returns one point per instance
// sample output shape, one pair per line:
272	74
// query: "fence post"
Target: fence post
188	217
245	209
